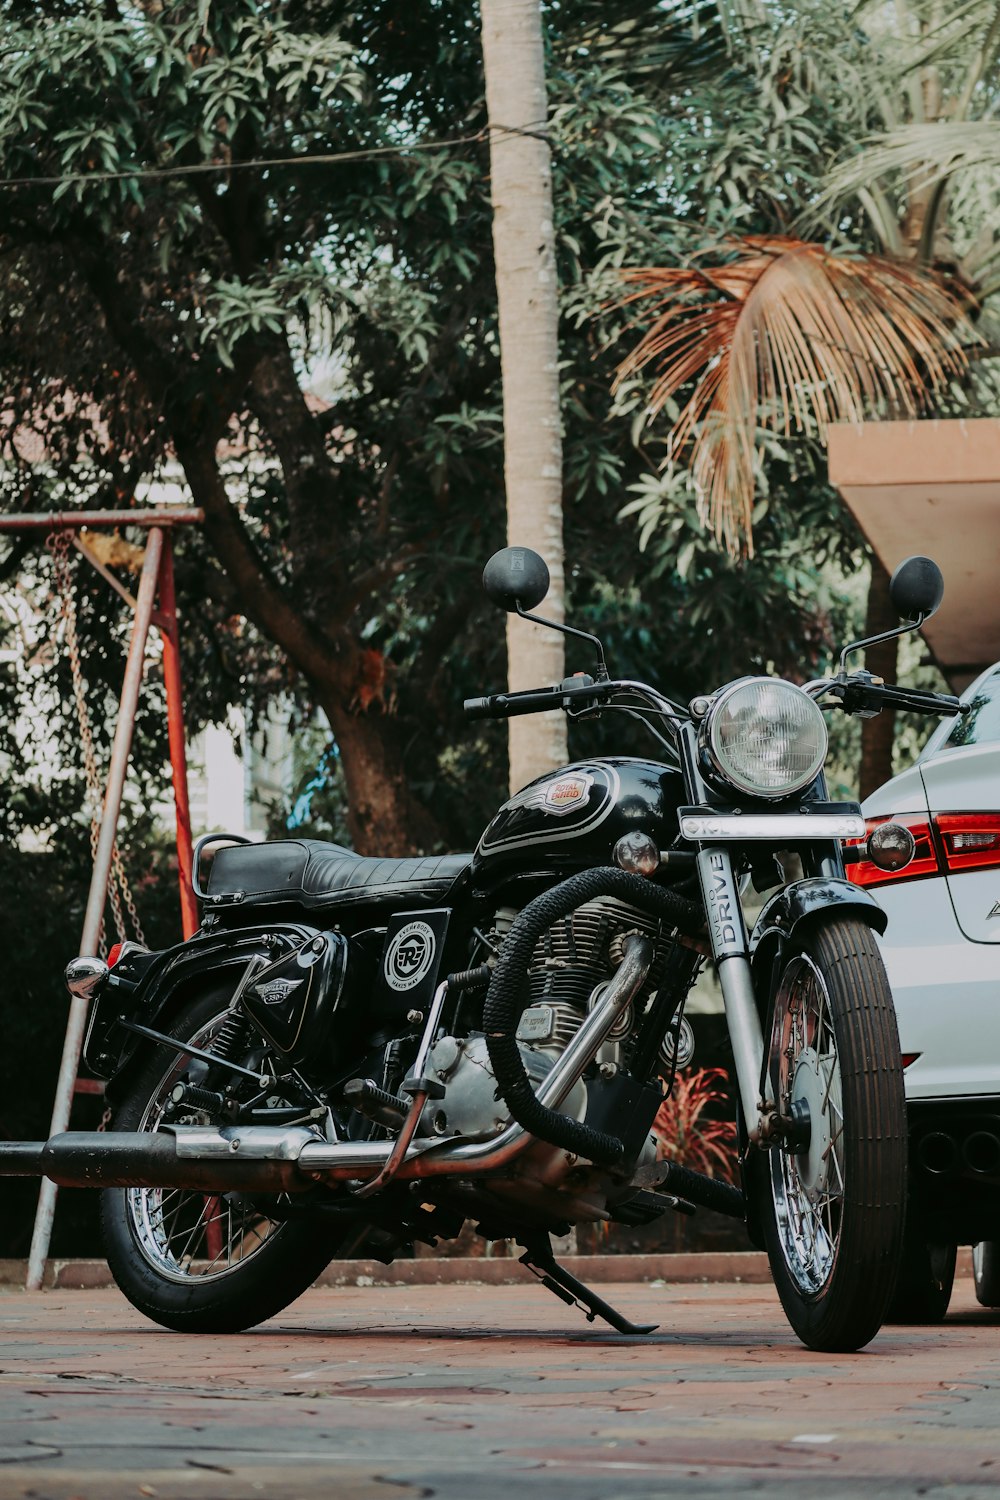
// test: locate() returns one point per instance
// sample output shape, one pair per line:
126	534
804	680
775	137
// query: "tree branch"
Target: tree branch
278	402
259	595
374	579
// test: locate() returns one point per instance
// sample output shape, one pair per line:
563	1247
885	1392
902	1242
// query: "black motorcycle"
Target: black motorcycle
358	1053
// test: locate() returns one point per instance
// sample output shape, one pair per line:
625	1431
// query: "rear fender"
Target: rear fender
176	976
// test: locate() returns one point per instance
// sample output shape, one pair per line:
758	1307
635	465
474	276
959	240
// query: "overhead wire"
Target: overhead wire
263	164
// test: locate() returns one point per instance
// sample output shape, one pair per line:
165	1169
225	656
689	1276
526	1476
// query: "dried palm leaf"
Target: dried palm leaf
787	336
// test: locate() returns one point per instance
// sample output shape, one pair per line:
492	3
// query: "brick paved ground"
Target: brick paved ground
477	1393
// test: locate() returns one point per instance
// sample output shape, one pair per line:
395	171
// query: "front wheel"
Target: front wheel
832	1206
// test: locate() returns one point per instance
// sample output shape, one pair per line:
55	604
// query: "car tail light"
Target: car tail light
970	841
924	861
948	843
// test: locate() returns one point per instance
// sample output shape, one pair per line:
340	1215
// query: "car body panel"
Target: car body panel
968	780
946	992
941	946
942	952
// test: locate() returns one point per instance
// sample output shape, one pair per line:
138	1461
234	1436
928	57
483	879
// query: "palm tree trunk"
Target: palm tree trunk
527	298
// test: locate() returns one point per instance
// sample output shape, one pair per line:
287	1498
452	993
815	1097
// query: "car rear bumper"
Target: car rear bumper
954	1176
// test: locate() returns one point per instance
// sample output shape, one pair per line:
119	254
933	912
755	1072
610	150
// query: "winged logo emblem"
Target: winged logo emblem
277	990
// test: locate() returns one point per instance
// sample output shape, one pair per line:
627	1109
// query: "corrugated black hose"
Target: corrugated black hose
509	995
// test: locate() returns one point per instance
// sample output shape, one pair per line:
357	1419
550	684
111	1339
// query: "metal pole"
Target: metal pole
167	620
73	520
73	1044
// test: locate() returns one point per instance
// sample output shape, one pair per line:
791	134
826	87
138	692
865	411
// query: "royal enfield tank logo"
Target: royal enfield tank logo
277	990
567	792
410	955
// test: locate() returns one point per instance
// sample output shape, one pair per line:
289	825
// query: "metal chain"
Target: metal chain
58	544
126	895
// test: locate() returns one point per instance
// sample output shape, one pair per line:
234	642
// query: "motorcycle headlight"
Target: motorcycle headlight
764	737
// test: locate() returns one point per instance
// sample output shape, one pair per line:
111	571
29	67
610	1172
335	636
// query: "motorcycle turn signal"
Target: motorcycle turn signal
890	846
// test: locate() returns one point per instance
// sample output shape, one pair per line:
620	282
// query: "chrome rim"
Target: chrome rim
808	1186
192	1236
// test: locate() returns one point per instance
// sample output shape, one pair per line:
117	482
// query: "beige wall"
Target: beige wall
933	487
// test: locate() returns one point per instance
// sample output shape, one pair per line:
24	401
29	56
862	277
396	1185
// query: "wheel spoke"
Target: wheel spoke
808	1188
172	1226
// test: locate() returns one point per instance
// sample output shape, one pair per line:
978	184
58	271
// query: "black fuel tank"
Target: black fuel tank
573	817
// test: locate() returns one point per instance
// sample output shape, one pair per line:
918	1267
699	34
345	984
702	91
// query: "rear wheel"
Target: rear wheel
986	1272
193	1262
832	1207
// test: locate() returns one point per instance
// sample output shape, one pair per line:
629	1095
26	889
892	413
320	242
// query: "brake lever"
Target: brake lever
864	696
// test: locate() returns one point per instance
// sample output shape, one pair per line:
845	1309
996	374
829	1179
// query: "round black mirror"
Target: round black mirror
516	576
916	588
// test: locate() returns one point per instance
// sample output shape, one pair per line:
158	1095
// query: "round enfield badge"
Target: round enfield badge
410	955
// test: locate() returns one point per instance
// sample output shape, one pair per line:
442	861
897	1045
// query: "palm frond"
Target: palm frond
931	153
786	336
650	40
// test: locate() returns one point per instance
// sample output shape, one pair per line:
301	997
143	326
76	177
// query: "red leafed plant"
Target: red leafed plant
686	1131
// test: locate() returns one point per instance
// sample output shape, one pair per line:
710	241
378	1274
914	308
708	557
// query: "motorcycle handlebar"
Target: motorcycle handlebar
536	700
935	703
509	705
921	703
862	693
855	697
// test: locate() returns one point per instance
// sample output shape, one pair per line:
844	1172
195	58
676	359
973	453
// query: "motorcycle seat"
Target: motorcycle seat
313	874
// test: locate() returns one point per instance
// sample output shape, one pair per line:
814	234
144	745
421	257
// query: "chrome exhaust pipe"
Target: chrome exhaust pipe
83	1158
272	1158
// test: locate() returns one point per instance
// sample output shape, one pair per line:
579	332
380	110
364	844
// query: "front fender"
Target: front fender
799	903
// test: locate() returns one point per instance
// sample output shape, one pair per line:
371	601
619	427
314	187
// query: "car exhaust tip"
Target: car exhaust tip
938	1153
981	1153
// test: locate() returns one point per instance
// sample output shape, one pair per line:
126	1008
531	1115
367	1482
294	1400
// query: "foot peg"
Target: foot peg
364	1095
563	1284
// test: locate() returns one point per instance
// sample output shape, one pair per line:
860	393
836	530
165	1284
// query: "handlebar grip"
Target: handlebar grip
942	703
479	708
569	694
918	702
509	705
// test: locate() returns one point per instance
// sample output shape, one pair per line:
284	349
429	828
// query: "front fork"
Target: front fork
731	951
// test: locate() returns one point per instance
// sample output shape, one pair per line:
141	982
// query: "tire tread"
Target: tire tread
849	1311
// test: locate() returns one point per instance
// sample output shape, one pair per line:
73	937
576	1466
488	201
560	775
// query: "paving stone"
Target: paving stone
437	1390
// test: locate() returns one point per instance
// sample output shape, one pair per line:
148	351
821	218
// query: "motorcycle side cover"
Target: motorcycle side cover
293	1000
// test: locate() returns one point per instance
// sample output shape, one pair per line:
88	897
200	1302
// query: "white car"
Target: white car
942	952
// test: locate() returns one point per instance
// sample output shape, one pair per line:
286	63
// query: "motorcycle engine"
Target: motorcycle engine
571	965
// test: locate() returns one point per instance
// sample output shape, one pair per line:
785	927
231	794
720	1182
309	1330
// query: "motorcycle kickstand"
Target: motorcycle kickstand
555	1278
